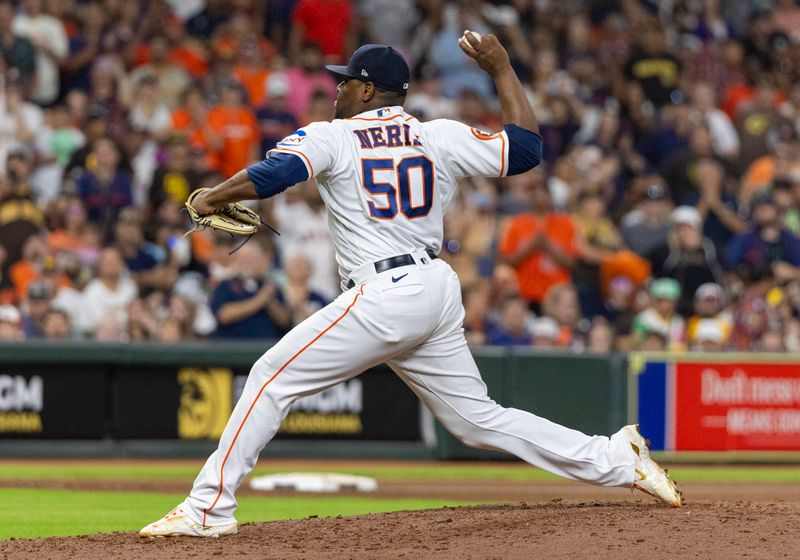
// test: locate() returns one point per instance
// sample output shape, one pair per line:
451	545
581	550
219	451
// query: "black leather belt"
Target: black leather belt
393	262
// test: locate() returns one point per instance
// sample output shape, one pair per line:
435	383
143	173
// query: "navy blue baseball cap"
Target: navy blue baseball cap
379	64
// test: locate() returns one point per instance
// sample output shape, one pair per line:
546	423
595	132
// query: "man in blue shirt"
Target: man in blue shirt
250	305
767	245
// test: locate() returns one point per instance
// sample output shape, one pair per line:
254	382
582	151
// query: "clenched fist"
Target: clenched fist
486	50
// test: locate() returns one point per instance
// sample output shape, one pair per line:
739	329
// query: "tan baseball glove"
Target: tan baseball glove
234	218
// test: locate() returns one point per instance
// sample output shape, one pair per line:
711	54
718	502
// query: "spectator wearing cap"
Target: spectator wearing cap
10	324
687	256
105	188
545	332
107	297
511	326
542	246
647	226
767	248
652	337
275	118
709	336
236	125
661	317
35	308
709	304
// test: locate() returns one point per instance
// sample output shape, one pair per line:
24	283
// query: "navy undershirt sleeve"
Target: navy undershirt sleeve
524	149
277	173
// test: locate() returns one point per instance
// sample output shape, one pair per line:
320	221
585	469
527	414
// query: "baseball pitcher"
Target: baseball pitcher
386	180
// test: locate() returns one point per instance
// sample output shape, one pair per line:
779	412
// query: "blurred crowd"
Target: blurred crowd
665	214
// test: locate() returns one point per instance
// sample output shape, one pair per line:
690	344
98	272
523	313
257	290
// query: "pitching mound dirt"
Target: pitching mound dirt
552	530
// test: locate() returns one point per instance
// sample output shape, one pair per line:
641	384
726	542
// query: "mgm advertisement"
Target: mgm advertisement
195	403
52	403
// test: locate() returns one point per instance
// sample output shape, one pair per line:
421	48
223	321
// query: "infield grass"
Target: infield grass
29	513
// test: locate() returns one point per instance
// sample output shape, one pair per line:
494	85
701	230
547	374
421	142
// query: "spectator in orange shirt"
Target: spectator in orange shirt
191	121
252	72
239	29
186	51
71	232
542	247
237	126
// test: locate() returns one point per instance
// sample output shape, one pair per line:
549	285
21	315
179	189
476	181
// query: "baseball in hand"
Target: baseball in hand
471	38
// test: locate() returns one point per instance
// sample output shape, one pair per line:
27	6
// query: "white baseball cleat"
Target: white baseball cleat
177	524
650	477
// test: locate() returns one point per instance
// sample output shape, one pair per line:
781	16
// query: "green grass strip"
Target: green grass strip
433	471
29	513
108	471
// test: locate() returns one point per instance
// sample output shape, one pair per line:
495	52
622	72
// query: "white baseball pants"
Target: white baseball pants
409	317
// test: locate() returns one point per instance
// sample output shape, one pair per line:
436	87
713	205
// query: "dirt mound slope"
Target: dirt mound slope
557	529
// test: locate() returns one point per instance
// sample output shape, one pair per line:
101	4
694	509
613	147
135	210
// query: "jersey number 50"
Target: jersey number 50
403	188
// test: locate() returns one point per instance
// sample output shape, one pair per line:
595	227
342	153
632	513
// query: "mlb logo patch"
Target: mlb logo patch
294	139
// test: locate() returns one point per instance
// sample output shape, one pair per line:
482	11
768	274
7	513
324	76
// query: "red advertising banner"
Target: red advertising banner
741	406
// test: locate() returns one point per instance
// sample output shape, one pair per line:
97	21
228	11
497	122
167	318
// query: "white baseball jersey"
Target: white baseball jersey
387	178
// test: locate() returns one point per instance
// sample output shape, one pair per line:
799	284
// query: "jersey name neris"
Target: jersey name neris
388	136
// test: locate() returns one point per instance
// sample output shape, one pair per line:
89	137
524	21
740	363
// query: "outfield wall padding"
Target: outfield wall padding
179	397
